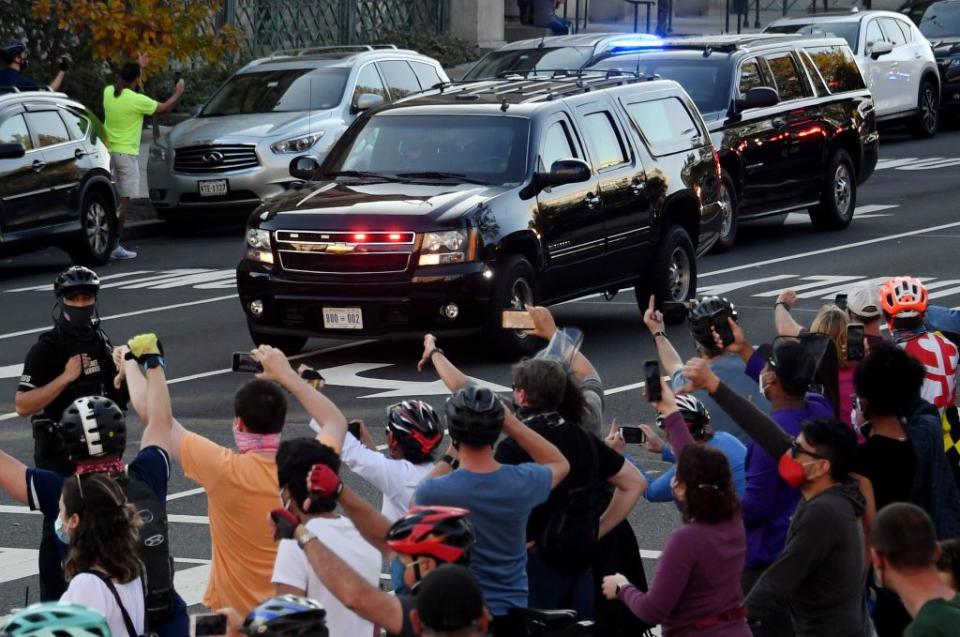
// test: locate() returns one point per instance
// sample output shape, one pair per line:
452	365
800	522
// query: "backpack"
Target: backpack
569	542
153	548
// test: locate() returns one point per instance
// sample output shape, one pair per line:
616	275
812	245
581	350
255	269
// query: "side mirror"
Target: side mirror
366	101
757	97
564	171
12	151
196	110
304	167
876	49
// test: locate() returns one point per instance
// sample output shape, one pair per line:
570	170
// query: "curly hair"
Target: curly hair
889	380
711	496
832	322
107	534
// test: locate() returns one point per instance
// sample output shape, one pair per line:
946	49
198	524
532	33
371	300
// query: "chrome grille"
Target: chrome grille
216	158
362	252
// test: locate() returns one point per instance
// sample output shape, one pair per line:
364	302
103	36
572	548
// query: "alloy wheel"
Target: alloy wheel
928	110
521	295
97	227
678	275
842	190
726	212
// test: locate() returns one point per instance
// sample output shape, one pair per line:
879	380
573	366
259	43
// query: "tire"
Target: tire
516	286
728	225
673	272
285	343
98	231
927	119
838	198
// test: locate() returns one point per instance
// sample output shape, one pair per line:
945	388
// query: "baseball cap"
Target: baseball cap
864	300
791	360
449	598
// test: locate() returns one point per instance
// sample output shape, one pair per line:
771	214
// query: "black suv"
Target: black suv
441	210
940	23
790	116
55	183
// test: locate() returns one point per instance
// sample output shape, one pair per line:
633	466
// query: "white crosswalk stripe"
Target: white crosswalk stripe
197	278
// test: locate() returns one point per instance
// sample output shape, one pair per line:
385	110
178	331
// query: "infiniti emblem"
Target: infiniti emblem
212	158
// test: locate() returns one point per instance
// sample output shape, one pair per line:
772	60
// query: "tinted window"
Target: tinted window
368	81
849	31
400	78
838	68
750	76
427	75
787	77
666	125
893	32
13	130
77	124
605	144
906	28
278	91
819	86
874	34
491	149
941	19
48	128
567	57
556	145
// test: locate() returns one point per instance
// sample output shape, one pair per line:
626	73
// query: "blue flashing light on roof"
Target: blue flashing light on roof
634	42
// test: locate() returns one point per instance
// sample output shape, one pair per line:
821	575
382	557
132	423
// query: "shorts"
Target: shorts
126	172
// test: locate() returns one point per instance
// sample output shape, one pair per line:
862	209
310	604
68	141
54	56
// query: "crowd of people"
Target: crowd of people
814	486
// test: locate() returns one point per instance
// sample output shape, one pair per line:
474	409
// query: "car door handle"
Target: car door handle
38	165
778	124
638	186
592	201
79	154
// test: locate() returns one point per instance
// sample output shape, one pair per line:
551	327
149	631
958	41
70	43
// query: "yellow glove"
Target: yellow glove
146	348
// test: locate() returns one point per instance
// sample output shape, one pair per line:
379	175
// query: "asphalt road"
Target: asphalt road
182	288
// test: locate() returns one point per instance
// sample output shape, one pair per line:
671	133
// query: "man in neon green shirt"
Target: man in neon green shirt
124	108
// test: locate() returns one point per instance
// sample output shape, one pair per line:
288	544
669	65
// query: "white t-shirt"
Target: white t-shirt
342	537
90	591
396	479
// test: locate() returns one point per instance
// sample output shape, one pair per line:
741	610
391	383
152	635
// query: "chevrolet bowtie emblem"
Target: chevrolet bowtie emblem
340	248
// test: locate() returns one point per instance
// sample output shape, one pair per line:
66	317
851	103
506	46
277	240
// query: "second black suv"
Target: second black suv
441	210
790	116
55	183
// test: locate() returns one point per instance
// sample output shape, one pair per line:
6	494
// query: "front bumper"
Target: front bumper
950	94
294	305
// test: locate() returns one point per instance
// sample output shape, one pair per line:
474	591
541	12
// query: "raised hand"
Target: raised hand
653	443
788	298
653	318
614	440
429	344
698	375
543	324
276	367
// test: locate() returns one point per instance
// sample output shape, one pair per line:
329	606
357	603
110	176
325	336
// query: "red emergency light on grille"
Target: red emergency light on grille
394	236
359	236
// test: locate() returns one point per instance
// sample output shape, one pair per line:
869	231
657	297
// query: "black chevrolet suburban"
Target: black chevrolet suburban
441	210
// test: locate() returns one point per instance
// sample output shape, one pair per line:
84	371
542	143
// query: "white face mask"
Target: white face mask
761	386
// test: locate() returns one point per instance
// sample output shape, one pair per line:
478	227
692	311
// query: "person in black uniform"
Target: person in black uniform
72	360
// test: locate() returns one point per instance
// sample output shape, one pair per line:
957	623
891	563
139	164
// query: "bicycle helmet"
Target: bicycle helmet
693	411
474	416
287	616
76	279
93	427
11	50
56	618
706	312
443	533
903	297
416	426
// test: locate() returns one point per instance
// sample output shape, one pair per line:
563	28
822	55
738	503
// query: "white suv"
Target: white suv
895	58
236	152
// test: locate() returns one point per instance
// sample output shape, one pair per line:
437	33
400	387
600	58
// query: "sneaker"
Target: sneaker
122	253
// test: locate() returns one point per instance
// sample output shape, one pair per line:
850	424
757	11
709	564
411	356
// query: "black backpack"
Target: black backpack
153	549
569	542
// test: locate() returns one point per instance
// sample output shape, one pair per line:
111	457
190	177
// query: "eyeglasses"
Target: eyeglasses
795	449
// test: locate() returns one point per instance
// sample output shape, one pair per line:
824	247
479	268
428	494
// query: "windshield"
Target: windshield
491	149
941	20
707	80
278	91
567	57
849	31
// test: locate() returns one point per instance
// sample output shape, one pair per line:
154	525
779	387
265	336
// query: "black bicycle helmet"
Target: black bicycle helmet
416	426
11	50
76	279
93	427
443	533
287	616
474	416
708	311
693	411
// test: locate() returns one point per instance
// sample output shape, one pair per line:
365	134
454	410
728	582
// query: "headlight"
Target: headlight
258	246
452	246
158	153
297	144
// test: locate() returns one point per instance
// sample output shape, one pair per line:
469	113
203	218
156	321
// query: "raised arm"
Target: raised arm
136	382
172	100
161	428
373	526
13	477
537	447
452	377
782	320
670	360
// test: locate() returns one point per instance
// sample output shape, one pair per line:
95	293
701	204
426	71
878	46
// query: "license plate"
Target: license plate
213	188
342	318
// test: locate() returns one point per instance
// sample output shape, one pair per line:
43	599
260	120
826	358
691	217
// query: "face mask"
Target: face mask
396	577
761	386
61	532
791	470
247	442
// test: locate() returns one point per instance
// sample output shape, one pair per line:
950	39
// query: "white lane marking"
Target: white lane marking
860	212
896	163
349	376
48	287
819	281
623	388
205	278
149	310
191	583
184	494
912	163
725	288
172	517
11	371
17	563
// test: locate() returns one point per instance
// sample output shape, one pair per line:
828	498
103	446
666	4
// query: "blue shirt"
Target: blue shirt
733	449
499	503
10	77
151	466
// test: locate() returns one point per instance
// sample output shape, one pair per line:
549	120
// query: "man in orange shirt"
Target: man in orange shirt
242	485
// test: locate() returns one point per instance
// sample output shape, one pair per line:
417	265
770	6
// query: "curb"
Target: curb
143	229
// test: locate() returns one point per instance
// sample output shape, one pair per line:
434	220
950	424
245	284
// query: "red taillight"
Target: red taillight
394	236
359	236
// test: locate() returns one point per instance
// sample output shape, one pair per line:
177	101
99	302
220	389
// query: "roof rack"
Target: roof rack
16	89
560	74
346	48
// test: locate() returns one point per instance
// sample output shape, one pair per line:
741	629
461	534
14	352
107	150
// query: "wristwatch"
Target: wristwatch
450	460
435	350
660	333
306	538
785	306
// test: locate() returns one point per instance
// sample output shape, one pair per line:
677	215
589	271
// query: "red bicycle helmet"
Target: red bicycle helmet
904	297
415	424
443	533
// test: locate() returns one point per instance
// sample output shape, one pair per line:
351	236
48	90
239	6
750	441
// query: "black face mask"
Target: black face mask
77	321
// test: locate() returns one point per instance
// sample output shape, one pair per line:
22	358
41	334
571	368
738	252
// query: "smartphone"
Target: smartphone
855	349
245	362
722	325
517	320
841	301
208	625
354	428
651	375
633	435
311	375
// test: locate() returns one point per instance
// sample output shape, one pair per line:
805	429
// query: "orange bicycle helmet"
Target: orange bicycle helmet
903	297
